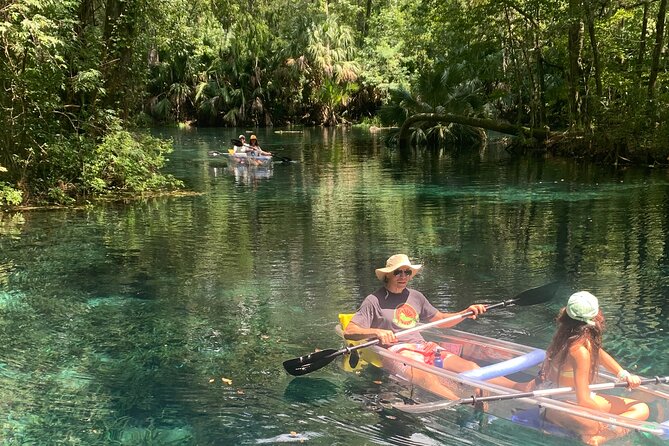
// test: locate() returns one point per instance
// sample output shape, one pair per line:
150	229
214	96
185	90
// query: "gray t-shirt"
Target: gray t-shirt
396	312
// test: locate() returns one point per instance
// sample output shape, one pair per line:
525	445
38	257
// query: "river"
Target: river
166	320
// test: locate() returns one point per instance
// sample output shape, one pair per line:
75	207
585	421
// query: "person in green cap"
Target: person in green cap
573	359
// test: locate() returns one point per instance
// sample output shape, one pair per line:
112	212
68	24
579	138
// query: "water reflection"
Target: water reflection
121	321
243	174
310	390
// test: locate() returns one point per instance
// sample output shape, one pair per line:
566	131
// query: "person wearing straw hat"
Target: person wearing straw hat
572	360
395	307
256	148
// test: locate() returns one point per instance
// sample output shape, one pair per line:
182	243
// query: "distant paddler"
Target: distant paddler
256	147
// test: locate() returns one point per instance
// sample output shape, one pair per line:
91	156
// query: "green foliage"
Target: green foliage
368	122
73	69
9	196
389	56
70	70
127	162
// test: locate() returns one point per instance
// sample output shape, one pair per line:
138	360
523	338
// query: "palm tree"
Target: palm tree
441	91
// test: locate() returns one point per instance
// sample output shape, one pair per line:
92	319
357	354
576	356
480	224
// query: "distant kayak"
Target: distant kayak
250	160
242	158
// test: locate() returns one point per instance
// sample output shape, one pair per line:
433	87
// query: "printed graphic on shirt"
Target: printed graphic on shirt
405	316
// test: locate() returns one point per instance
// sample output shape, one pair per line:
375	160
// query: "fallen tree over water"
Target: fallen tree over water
488	124
608	147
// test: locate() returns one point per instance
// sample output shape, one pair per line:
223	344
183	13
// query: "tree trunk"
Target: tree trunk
595	50
488	124
514	60
112	13
657	51
119	36
541	82
368	13
642	40
86	14
575	76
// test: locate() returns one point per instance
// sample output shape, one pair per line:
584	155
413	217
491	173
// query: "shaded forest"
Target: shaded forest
81	79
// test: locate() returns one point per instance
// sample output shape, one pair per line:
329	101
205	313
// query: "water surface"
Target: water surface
165	321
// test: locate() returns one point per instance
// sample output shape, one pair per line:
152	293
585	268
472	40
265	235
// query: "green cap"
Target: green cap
583	306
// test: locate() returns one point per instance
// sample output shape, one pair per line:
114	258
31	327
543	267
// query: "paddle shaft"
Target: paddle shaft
440	405
557	391
428	325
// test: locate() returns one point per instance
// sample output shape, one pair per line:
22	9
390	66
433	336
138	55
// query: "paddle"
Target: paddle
440	405
316	360
216	153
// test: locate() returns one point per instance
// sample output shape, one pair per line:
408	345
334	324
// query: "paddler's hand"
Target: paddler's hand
386	336
476	309
631	380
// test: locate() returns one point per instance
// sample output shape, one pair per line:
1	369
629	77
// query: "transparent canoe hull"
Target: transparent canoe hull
519	363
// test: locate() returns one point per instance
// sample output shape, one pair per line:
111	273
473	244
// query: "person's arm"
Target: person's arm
612	366
355	333
580	357
261	151
362	325
476	309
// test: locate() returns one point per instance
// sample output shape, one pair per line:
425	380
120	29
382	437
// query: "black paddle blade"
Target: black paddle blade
237	142
354	359
536	295
283	159
311	362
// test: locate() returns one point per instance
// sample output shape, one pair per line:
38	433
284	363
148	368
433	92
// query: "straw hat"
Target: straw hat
583	306
394	262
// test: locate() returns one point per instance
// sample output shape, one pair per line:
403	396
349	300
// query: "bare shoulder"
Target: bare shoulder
580	351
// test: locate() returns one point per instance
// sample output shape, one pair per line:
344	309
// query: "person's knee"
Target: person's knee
641	411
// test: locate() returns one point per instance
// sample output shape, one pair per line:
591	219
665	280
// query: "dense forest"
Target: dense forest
82	78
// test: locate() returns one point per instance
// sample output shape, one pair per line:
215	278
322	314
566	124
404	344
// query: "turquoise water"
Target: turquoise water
166	320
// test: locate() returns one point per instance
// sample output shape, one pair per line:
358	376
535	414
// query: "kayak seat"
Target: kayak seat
367	355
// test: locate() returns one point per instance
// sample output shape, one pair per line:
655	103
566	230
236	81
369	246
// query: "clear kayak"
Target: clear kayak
520	363
249	159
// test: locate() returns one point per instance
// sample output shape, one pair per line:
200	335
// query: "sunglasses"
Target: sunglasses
406	272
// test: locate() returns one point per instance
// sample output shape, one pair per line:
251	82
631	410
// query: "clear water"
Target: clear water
166	320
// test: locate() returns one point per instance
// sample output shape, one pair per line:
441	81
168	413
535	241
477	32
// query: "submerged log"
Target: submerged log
489	124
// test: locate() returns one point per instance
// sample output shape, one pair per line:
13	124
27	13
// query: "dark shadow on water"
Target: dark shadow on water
308	389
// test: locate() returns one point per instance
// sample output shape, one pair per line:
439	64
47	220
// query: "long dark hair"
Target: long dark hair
570	332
